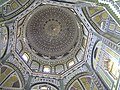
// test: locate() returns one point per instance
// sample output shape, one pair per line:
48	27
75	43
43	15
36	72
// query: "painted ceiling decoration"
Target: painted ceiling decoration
52	31
59	45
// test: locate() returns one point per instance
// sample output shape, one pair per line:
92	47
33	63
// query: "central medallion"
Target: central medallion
52	31
52	28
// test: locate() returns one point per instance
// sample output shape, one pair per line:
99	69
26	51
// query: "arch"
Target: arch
26	57
75	78
47	69
82	81
92	56
59	68
103	69
35	66
70	63
11	77
17	71
44	83
7	40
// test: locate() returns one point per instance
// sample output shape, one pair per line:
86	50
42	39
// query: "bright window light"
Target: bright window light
44	88
25	57
46	69
71	63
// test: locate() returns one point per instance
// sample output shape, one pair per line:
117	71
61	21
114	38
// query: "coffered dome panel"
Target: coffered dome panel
52	31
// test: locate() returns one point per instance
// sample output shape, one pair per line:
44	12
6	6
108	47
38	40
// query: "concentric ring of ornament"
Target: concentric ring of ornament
52	31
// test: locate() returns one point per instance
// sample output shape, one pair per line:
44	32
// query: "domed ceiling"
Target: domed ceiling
52	33
58	45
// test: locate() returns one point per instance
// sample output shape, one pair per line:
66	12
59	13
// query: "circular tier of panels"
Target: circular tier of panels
52	31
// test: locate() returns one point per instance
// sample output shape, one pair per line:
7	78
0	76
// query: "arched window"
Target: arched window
35	66
47	69
25	57
44	88
59	68
71	63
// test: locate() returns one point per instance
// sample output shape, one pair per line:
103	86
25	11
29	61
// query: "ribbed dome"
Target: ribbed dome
52	31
